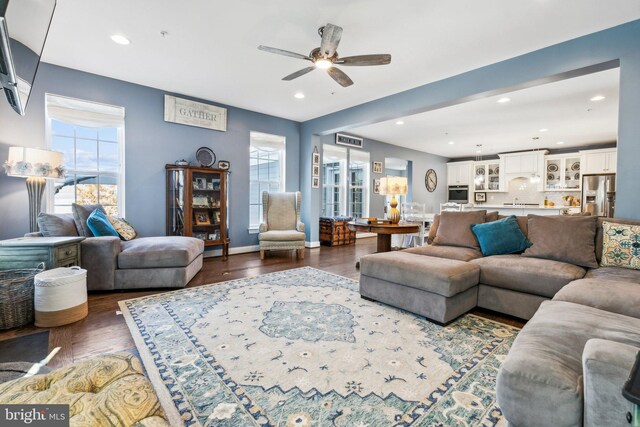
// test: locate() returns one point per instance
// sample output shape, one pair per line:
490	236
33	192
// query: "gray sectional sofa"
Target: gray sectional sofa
144	262
568	364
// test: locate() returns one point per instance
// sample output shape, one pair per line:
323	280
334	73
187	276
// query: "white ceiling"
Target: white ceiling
563	108
211	49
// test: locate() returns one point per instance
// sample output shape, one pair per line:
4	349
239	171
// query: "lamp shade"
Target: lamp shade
33	162
394	185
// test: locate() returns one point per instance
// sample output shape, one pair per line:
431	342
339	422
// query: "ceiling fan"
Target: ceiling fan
326	57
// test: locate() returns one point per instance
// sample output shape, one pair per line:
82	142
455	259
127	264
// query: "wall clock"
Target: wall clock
431	180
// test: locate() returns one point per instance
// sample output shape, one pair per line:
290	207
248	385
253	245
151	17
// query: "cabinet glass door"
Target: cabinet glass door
206	205
555	174
572	173
480	177
493	176
176	201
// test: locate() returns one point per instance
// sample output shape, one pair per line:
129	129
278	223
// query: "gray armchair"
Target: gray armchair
281	228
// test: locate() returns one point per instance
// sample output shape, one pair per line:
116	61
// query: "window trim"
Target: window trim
121	174
366	189
255	228
342	185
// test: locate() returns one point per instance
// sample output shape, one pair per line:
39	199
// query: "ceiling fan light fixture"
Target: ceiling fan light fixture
323	64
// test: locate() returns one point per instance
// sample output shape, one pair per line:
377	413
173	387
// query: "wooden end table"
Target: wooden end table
384	232
28	252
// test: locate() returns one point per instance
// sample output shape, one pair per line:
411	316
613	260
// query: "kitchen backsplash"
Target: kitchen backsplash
527	192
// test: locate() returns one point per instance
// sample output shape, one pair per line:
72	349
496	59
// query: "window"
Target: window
358	183
334	175
266	171
91	136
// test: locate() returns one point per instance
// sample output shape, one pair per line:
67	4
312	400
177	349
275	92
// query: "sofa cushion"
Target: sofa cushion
614	273
441	276
530	275
154	252
99	224
620	245
57	225
81	214
449	252
599	236
124	229
540	381
433	229
616	297
563	238
523	223
500	237
454	229
281	236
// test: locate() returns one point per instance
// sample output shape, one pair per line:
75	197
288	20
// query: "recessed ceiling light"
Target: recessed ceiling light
543	130
299	95
451	142
503	100
597	98
399	122
560	142
120	39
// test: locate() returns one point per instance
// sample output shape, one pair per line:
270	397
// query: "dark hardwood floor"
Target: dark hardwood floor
105	331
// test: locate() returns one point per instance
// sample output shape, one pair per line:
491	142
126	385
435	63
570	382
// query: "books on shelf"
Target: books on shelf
373	221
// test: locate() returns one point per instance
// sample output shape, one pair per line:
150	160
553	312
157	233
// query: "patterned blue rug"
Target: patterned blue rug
300	348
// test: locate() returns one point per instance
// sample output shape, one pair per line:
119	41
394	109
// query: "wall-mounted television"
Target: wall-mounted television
24	25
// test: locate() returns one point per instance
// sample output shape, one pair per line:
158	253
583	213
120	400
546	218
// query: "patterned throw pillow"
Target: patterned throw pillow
124	229
620	245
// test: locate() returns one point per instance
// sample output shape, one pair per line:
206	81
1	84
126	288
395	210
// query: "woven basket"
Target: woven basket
16	296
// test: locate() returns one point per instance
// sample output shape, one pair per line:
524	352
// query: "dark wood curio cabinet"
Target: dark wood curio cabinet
197	204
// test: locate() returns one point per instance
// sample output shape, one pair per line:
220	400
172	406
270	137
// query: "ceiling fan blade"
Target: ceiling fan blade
383	59
283	52
340	77
331	35
298	73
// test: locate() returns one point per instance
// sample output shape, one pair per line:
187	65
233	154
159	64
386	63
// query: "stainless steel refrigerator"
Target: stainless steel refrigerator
599	194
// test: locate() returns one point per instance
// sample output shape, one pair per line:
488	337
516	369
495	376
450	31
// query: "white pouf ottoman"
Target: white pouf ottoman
60	297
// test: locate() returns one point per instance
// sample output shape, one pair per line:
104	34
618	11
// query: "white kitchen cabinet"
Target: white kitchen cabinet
523	164
488	176
599	161
459	173
562	172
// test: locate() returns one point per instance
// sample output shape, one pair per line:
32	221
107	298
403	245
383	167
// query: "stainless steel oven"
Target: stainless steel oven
458	194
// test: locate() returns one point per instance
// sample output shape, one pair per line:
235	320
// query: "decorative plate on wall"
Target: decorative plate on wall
552	167
431	180
205	157
575	166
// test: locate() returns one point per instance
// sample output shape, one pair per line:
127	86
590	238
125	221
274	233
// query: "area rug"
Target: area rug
300	348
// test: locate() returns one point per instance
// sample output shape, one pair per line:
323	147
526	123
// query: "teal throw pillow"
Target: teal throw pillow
500	237
99	224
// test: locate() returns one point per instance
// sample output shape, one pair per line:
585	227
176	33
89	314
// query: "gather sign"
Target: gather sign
192	113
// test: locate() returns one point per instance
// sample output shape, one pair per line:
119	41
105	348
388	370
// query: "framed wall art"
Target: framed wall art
377	167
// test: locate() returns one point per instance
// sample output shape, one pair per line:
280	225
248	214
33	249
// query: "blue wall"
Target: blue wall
618	46
150	143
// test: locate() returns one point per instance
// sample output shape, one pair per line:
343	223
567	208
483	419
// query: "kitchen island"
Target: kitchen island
523	210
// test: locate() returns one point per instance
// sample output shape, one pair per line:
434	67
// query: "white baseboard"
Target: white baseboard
365	235
232	251
311	245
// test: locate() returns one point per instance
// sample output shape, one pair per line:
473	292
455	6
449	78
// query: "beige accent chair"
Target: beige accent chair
281	228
